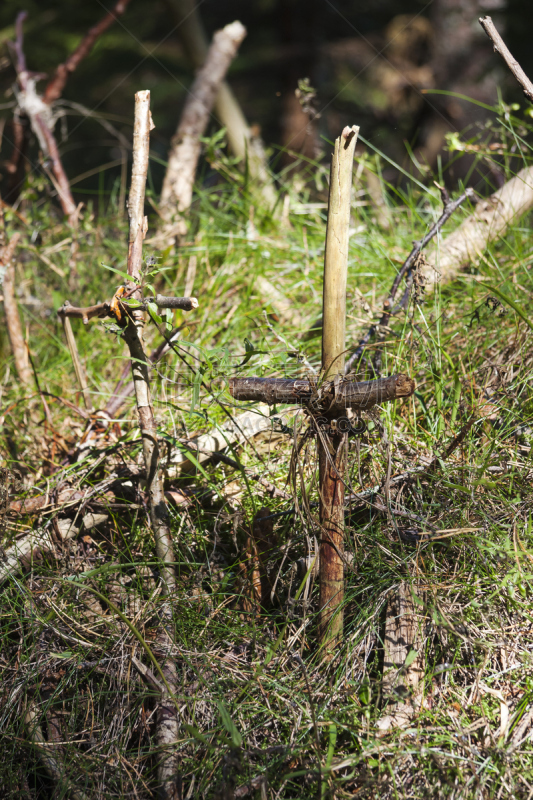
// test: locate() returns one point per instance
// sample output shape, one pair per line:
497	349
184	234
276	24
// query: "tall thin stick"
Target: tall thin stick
332	450
134	339
167	721
14	327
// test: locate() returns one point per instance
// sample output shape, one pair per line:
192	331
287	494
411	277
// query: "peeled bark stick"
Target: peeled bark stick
13	324
489	222
336	255
332	448
332	396
78	366
167	721
39	114
133	335
240	139
501	48
176	194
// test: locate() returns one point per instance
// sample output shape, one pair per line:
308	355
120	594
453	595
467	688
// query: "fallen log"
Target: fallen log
236	431
176	194
493	216
489	221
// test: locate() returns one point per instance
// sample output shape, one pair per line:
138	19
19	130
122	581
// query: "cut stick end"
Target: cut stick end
349	131
194	302
405	386
235	30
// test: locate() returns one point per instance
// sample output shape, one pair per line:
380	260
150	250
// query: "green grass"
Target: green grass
260	712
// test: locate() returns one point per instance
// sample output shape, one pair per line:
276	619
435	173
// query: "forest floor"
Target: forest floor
261	712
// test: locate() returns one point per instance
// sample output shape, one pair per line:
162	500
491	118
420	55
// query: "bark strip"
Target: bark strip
332	448
176	194
332	396
402	681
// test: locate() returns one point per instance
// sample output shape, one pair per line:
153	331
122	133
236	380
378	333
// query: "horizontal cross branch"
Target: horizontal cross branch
330	396
107	309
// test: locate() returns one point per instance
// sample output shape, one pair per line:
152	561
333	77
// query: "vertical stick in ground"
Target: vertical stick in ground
13	324
167	720
332	448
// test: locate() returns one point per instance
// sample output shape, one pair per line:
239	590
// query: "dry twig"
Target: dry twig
41	120
38	109
390	307
501	48
53	766
55	86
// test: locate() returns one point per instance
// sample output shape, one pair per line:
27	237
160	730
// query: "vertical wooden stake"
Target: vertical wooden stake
167	726
13	324
332	448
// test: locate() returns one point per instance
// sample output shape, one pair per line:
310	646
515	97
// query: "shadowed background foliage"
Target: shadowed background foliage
370	63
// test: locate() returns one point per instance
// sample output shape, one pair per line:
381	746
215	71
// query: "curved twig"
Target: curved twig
406	271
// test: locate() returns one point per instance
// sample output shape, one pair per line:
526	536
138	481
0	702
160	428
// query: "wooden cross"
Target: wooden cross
328	400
